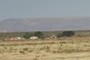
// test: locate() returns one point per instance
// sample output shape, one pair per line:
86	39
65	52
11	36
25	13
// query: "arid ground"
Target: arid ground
61	49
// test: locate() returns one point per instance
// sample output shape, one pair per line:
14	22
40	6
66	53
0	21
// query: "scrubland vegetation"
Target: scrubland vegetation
62	49
66	47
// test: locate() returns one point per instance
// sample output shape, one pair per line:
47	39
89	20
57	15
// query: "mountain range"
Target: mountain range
45	24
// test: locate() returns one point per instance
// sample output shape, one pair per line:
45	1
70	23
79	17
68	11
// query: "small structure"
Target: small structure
47	38
53	37
13	38
33	37
18	38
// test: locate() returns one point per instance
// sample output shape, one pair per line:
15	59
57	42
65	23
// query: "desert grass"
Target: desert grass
61	49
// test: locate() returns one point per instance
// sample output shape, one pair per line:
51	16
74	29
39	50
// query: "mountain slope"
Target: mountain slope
45	24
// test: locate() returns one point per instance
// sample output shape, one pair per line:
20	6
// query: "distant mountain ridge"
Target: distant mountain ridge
45	24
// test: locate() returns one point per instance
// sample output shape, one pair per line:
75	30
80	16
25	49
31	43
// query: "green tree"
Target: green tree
39	34
68	33
59	35
27	35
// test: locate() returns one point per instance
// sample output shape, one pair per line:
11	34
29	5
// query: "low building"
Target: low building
18	38
33	37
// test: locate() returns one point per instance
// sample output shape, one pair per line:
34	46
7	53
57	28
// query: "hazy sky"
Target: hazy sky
44	8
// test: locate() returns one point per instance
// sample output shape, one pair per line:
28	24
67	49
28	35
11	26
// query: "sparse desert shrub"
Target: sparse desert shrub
48	50
5	47
62	42
22	52
45	48
25	49
30	51
35	59
59	35
10	49
0	51
56	51
68	33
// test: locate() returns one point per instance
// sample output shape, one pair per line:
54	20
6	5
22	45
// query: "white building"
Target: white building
34	37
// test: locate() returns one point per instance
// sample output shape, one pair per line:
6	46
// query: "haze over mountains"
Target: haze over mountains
45	24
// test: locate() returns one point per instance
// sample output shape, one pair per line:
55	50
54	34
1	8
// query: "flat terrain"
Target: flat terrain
61	49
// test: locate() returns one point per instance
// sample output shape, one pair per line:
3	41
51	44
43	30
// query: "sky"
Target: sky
44	8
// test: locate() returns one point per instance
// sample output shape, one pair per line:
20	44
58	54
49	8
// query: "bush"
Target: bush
39	34
27	35
68	33
59	35
22	52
